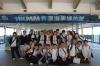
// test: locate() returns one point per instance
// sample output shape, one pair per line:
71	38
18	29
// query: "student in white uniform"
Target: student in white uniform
55	38
63	54
48	38
28	54
55	53
23	42
42	38
34	57
72	50
86	51
69	38
48	54
79	51
40	55
63	36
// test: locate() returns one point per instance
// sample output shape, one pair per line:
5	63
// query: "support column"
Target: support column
4	34
83	37
92	35
72	26
77	27
81	29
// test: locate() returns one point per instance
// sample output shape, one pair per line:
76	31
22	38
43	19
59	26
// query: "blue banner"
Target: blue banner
47	18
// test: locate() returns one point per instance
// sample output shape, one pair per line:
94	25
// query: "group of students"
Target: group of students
50	47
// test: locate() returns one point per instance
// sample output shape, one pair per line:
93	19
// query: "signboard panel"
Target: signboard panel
47	18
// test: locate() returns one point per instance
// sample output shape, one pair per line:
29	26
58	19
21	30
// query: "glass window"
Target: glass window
87	31
96	30
80	31
2	35
14	30
9	31
2	31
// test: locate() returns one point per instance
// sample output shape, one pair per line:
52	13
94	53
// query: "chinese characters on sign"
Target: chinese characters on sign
46	18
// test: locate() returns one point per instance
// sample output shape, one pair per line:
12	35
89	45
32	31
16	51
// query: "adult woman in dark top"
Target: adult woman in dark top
14	43
23	42
31	37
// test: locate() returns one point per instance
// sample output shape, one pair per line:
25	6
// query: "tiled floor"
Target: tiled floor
5	58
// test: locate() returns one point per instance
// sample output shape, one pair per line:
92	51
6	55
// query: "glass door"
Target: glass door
2	35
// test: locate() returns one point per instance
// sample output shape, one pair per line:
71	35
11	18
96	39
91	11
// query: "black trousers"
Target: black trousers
55	62
34	59
63	63
15	50
70	60
28	57
49	59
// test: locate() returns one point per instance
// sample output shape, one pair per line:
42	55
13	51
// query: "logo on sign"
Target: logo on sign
4	17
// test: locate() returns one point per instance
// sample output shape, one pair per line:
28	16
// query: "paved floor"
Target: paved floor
5	58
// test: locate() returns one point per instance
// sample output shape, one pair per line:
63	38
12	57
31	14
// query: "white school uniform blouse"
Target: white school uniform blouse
14	43
86	51
63	37
48	40
63	54
44	51
73	50
33	36
54	39
35	52
54	54
42	39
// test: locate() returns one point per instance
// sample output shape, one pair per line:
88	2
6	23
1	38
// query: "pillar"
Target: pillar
72	26
92	35
81	29
4	34
77	28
